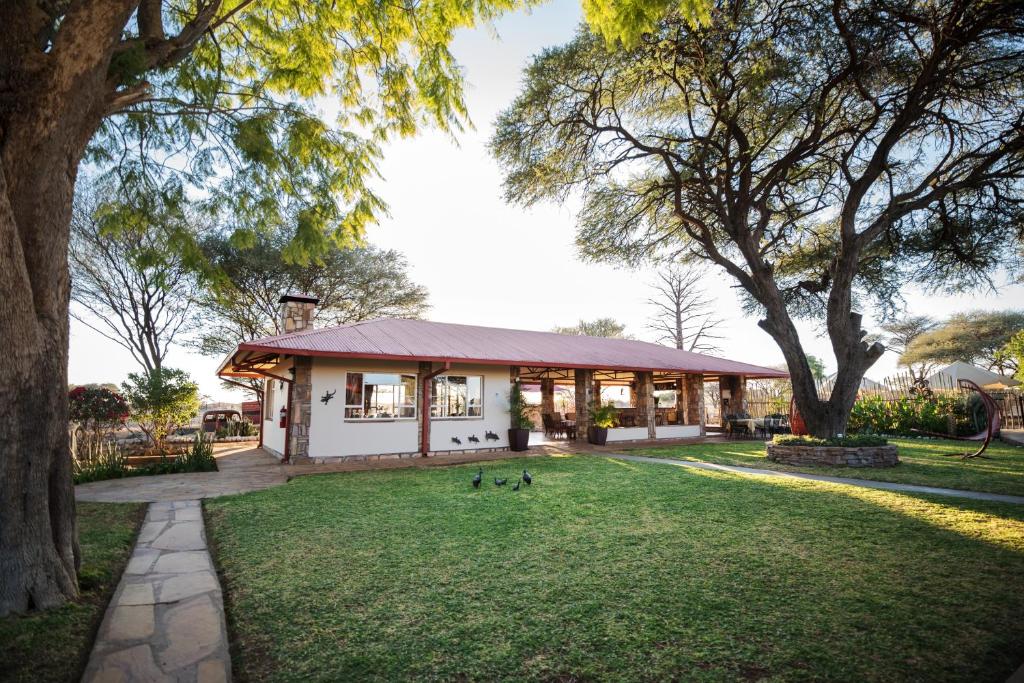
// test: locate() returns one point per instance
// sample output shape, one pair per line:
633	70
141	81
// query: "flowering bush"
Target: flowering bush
96	411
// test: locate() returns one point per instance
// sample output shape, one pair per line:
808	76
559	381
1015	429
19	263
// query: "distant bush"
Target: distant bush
848	441
96	411
161	402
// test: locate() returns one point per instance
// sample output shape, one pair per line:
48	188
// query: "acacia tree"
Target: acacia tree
821	154
352	284
213	100
684	315
979	337
900	334
598	327
133	288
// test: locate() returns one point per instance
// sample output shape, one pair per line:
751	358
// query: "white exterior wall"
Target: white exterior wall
273	434
495	417
627	434
677	431
331	435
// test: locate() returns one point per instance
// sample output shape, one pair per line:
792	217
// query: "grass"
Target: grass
923	461
55	645
613	570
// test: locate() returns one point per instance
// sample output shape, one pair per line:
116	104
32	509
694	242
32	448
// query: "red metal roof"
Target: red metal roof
425	340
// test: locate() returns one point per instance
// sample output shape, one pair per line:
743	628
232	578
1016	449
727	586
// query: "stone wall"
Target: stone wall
834	456
302	399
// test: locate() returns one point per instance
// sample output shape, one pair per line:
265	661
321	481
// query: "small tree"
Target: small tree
161	402
900	334
684	315
96	411
517	408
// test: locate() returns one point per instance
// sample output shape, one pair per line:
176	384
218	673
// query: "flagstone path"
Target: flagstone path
166	619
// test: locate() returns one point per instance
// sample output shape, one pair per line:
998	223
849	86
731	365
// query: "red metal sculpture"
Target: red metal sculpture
992	423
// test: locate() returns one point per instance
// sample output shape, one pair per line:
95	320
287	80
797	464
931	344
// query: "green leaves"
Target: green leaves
625	21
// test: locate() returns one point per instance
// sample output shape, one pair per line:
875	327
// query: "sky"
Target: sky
485	262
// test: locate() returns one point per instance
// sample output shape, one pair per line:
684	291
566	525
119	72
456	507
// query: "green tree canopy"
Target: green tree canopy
599	327
352	284
821	154
978	337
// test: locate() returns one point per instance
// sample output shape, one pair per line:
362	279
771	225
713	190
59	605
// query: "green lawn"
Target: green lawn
55	645
613	570
922	462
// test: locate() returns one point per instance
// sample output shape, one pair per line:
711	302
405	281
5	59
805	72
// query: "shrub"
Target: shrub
161	402
96	460
602	415
848	441
911	415
517	408
96	411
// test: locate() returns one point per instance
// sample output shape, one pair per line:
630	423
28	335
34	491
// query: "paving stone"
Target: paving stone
212	671
186	586
181	536
185	504
137	594
182	562
142	560
193	514
150	530
193	632
129	622
132	665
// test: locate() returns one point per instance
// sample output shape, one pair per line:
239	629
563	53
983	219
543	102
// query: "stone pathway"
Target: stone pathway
166	619
241	468
865	483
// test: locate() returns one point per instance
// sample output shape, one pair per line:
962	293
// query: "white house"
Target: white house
395	388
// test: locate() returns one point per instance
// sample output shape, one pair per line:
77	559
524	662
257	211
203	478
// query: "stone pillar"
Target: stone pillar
645	408
547	396
597	390
695	413
296	312
681	402
300	409
422	411
584	397
737	388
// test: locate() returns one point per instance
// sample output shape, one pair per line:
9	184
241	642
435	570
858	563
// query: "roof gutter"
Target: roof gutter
425	408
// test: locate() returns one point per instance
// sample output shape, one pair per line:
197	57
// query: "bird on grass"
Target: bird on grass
527	478
478	478
516	487
500	482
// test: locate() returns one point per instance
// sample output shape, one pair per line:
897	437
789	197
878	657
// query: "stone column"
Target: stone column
584	397
547	396
695	401
737	386
645	408
681	402
299	412
296	312
422	411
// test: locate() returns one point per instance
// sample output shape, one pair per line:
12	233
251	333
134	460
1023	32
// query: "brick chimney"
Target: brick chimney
296	311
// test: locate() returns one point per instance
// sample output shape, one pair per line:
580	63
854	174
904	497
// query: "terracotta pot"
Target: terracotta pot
597	435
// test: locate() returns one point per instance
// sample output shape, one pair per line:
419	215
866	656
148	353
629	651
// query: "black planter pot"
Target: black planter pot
518	439
597	435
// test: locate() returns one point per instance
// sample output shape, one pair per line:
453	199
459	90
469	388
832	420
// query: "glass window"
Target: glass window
457	396
380	396
268	400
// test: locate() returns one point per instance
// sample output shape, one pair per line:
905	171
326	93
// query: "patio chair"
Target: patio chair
550	426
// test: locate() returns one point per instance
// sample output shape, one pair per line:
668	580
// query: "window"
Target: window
380	396
457	396
268	400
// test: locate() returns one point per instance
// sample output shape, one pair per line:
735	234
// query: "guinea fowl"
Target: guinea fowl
516	487
527	478
478	478
500	482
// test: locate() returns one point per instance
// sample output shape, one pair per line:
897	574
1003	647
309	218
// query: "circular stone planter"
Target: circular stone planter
834	456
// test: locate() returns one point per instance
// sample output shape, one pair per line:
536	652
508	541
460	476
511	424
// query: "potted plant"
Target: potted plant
602	416
519	433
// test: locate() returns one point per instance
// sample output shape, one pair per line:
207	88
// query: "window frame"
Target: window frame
483	394
362	394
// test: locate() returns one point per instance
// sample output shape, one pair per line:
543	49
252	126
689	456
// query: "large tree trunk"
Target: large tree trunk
50	105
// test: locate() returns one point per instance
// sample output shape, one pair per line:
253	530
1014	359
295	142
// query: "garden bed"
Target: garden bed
833	456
